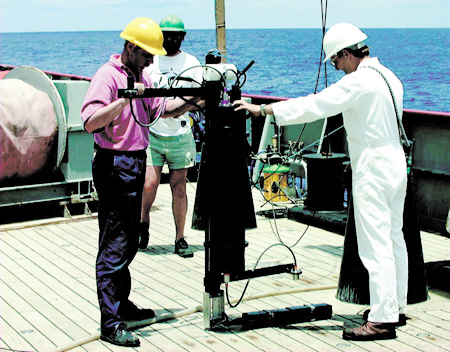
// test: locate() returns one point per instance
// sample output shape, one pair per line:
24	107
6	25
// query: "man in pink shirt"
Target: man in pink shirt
119	170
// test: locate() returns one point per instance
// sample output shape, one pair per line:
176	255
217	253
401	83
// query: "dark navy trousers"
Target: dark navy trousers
119	180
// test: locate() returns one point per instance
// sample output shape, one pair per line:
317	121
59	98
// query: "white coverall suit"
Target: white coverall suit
378	171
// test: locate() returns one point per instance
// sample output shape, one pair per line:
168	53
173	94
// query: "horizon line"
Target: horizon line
210	29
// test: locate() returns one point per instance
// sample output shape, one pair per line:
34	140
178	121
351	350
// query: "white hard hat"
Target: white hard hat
341	36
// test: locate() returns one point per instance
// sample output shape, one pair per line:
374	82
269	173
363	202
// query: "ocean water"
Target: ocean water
287	61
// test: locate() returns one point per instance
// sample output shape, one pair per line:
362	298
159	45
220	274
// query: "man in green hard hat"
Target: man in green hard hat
171	139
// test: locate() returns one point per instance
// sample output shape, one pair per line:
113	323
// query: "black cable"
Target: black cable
300	135
240	299
176	79
137	120
188	79
324	21
314	143
303	234
323	31
254	267
194	104
235	73
222	79
256	184
291	151
276	232
243	73
245	80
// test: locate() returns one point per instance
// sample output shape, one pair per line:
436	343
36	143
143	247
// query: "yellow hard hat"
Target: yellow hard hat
146	34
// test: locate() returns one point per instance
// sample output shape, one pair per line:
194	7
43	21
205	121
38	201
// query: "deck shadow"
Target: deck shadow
167	249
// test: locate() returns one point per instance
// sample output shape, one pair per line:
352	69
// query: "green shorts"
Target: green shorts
178	151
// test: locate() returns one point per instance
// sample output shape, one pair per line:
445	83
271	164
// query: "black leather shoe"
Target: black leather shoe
131	312
182	248
144	235
401	318
371	332
120	336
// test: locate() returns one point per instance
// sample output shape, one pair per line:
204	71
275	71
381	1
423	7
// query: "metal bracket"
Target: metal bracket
67	212
213	310
87	210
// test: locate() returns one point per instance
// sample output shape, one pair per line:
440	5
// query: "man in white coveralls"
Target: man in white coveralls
171	139
378	164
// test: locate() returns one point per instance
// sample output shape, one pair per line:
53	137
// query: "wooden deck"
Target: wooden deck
49	301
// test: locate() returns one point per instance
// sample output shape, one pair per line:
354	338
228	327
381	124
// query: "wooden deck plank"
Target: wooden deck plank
153	340
219	341
431	329
30	246
43	270
97	346
30	333
191	328
181	338
53	267
52	292
44	314
440	314
12	338
175	271
233	341
76	237
56	263
259	339
71	258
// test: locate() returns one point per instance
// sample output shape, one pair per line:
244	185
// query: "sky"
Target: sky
94	15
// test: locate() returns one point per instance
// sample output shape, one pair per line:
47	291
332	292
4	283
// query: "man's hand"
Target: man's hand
251	108
140	88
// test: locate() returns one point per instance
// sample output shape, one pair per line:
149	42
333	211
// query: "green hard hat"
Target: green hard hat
172	23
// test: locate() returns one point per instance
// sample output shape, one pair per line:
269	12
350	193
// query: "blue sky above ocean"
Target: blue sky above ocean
96	15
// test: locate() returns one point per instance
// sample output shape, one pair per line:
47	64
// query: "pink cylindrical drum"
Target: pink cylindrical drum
28	129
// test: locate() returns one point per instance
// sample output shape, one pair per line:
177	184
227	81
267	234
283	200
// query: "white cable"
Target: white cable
199	308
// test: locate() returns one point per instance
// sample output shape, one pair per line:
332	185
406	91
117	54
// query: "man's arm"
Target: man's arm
105	115
176	107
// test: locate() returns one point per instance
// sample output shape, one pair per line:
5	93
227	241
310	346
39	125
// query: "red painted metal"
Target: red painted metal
7	68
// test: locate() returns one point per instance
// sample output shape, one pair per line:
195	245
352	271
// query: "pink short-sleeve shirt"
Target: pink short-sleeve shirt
123	133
